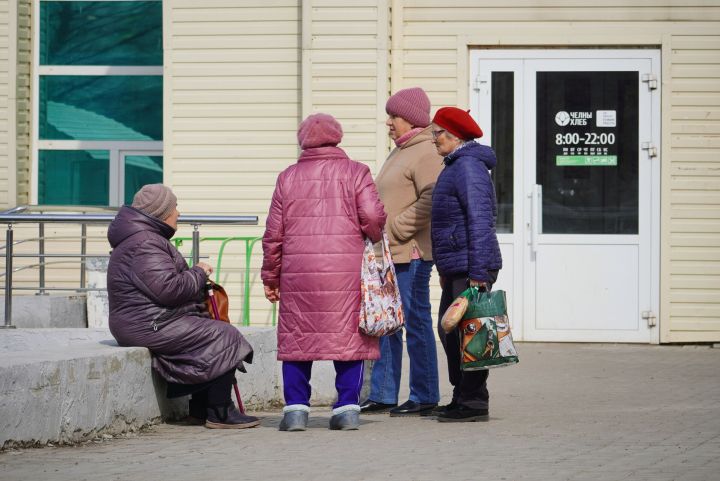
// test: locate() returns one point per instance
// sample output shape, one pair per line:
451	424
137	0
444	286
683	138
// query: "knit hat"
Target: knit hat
319	130
156	200
458	122
412	105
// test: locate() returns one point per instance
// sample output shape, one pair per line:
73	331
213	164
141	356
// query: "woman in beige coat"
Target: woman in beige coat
405	185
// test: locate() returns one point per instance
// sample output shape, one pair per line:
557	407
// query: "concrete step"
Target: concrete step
40	339
69	385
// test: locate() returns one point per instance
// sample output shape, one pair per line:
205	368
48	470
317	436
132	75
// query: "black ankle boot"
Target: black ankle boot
226	416
197	407
197	411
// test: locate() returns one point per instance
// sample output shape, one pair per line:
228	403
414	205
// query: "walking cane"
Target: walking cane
216	315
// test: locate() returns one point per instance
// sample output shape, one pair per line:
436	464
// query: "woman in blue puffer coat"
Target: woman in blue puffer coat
465	246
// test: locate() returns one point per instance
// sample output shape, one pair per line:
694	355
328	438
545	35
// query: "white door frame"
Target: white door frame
483	61
510	243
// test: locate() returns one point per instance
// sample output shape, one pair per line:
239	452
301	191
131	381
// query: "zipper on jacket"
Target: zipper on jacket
162	317
453	240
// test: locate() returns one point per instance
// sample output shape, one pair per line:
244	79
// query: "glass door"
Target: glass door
586	203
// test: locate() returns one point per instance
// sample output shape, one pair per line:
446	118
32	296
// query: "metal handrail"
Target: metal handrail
26	214
107	218
55	237
42	264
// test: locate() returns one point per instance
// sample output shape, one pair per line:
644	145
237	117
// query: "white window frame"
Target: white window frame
119	163
116	179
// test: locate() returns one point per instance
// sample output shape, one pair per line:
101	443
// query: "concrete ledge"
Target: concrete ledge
26	340
69	385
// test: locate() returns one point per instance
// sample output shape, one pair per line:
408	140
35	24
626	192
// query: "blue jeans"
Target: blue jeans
414	282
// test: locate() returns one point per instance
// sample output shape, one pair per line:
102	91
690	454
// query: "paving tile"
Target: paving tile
567	412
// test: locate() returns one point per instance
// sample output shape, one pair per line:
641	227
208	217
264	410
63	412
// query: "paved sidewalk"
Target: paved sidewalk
566	412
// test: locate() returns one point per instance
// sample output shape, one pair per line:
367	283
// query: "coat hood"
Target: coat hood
129	221
483	153
322	153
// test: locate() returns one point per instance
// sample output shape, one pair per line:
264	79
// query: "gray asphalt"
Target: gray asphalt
566	412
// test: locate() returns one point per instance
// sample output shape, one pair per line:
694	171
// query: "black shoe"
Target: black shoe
463	414
197	411
411	408
228	417
441	409
371	406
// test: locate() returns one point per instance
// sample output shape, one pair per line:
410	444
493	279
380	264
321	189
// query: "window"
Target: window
98	101
503	138
588	169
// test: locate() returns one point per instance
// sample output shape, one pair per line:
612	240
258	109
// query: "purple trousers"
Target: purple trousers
296	382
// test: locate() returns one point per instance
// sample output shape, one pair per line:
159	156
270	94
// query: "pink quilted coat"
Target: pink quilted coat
321	209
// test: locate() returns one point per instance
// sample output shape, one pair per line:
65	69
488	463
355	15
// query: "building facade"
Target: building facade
605	117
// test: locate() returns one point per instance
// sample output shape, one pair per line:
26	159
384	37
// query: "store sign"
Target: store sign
585	138
585	160
606	118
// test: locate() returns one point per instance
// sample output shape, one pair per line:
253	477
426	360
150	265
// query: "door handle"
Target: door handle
535	216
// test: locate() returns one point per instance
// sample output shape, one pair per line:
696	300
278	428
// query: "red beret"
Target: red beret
458	122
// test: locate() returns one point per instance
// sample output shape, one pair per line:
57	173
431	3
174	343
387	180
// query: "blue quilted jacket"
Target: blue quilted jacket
463	215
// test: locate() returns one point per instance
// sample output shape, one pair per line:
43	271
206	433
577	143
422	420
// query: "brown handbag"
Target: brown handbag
216	300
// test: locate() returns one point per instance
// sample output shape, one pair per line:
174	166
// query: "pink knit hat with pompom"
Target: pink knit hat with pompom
319	130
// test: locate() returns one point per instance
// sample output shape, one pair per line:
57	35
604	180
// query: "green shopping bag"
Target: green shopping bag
486	341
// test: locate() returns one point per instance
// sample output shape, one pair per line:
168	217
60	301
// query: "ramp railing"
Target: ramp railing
83	217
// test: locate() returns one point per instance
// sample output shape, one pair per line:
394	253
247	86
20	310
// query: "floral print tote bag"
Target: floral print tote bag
380	305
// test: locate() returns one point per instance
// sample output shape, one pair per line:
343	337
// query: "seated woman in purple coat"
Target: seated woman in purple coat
157	301
322	208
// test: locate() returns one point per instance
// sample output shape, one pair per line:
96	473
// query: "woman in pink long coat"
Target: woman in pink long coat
322	208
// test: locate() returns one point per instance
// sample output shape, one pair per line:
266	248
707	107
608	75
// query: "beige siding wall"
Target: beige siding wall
433	32
691	189
232	100
434	46
232	105
238	81
346	71
8	40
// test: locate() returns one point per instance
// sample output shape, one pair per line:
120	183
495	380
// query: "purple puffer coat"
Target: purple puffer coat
156	301
321	210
